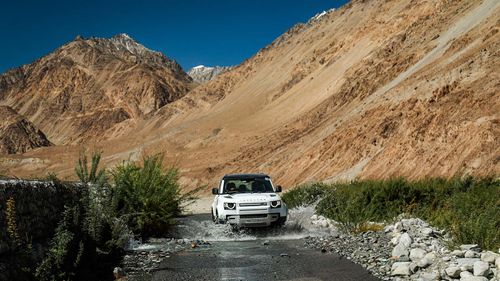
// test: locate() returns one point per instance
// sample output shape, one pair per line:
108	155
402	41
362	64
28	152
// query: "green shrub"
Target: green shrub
147	197
304	194
87	241
92	174
468	208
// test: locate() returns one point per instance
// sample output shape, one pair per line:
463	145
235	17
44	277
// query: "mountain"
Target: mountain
203	73
373	89
91	89
17	134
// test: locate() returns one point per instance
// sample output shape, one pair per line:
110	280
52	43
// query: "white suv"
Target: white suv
248	200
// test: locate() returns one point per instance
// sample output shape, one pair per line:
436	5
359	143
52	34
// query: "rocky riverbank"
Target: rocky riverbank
141	260
408	249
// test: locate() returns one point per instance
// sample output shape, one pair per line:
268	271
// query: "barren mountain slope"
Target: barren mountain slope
373	89
17	134
82	90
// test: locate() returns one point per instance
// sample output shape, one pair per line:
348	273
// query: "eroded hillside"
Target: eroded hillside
373	89
93	89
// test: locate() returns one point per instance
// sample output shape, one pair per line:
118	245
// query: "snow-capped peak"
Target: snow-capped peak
320	15
201	73
123	40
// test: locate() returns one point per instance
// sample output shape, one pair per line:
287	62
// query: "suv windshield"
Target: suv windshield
251	185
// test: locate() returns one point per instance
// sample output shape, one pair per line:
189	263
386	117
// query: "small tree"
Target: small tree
147	196
92	175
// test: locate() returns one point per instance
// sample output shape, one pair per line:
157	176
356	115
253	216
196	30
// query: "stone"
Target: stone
431	257
423	263
405	239
465	274
470	254
118	272
388	228
400	250
413	267
395	239
453	271
497	263
481	268
473	247
474	278
489	257
427	231
458	253
430	276
398	227
417	254
467	262
400	269
265	243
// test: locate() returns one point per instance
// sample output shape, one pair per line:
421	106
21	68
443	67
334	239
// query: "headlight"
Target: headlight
229	206
276	204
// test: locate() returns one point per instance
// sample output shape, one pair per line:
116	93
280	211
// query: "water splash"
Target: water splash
299	225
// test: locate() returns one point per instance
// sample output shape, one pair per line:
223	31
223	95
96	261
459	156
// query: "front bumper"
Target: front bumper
255	216
253	220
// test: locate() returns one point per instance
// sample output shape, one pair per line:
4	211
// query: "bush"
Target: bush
304	194
86	243
147	197
468	208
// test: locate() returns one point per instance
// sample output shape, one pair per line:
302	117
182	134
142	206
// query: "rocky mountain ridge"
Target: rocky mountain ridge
203	73
17	134
89	89
373	89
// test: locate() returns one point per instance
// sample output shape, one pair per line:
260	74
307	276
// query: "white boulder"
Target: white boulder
453	271
405	239
431	257
466	247
423	263
400	251
474	278
467	264
400	269
481	268
470	254
417	254
489	257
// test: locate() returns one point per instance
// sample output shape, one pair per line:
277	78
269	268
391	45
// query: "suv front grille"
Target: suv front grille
257	216
253	204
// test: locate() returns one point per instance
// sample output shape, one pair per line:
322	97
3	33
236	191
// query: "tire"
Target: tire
280	222
216	218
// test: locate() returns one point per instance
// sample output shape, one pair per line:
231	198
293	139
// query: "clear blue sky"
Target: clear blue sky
189	31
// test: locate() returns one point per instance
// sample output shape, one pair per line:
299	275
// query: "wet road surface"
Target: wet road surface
280	259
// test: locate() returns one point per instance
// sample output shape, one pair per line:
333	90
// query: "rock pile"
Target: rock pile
142	259
409	249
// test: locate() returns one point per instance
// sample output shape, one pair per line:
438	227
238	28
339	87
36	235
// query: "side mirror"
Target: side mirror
278	188
215	191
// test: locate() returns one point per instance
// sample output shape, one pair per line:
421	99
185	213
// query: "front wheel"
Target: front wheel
213	216
280	222
216	219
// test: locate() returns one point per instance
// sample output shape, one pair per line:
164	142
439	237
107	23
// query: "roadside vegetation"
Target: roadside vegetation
468	208
133	199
